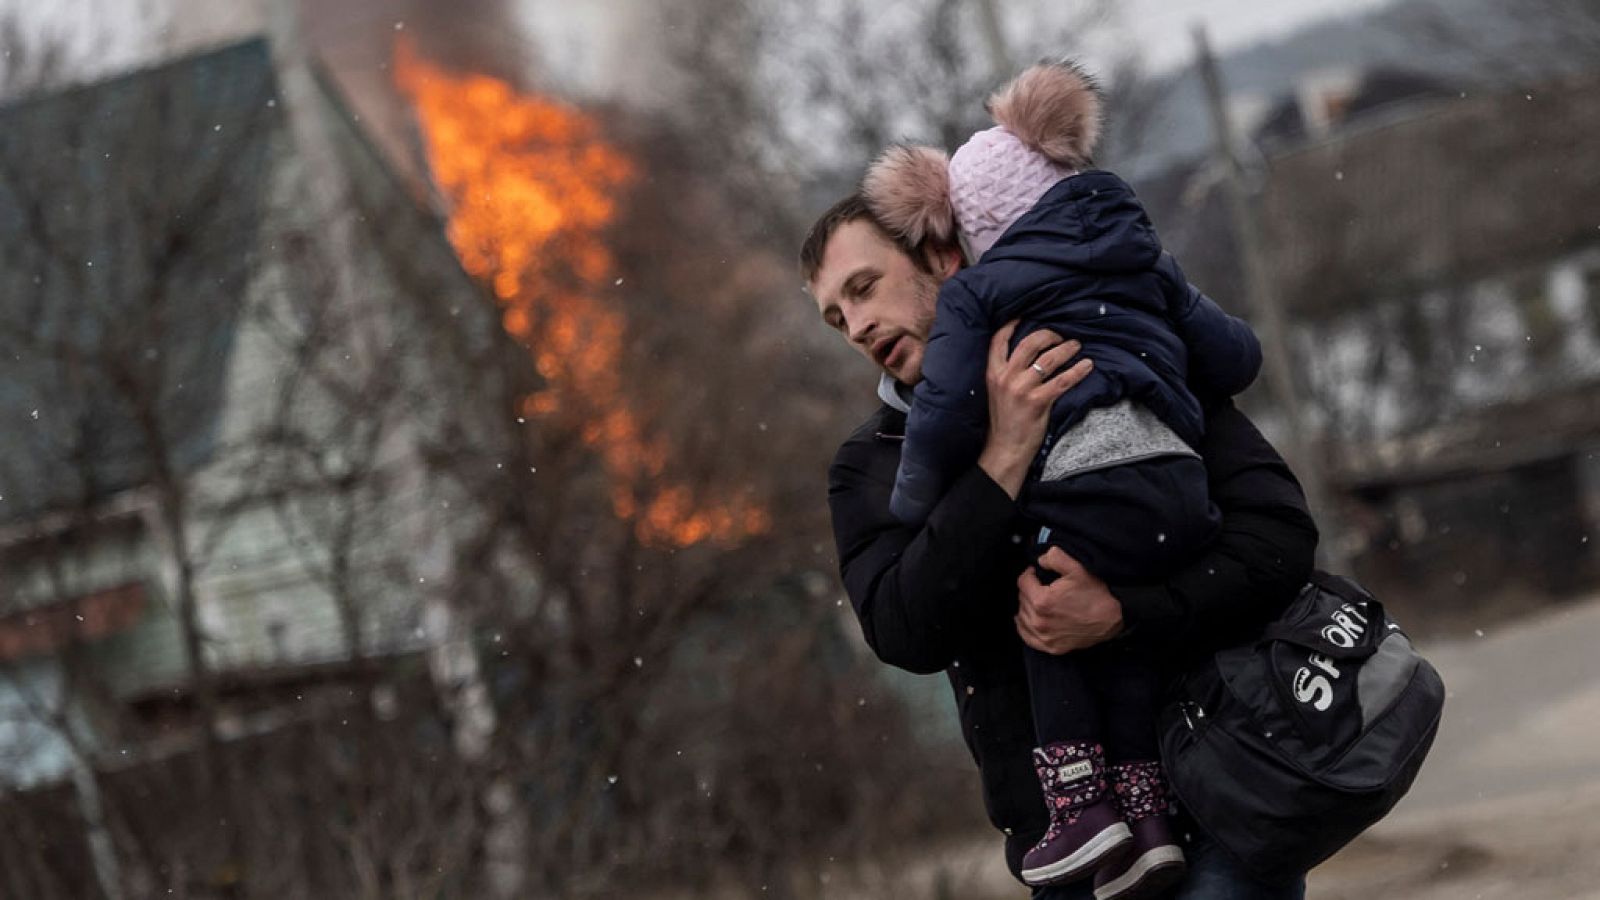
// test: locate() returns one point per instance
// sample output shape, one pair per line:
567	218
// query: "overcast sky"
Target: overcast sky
1162	27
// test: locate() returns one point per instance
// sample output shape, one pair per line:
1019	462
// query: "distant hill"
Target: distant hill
1385	38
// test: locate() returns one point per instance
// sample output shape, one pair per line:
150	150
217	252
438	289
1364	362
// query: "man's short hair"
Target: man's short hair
852	207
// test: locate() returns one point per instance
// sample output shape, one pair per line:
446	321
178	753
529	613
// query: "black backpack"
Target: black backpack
1286	748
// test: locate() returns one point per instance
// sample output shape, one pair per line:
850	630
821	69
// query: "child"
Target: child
1117	483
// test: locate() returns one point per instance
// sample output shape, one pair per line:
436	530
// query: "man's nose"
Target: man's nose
861	330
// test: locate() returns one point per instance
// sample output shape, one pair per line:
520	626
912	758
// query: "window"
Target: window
1540	321
1591	295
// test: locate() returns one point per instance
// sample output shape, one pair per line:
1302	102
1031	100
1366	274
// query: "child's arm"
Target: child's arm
949	413
1224	354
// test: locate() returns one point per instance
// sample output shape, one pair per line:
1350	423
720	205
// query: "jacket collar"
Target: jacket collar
893	393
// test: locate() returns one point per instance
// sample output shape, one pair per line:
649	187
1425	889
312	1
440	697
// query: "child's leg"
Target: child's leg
1123	679
1127	687
1085	832
1063	703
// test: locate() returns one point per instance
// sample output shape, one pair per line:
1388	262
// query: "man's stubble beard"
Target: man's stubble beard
927	294
925	298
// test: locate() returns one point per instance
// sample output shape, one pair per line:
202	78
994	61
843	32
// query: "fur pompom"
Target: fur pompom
908	190
1054	108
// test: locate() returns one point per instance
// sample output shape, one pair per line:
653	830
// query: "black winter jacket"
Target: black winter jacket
941	596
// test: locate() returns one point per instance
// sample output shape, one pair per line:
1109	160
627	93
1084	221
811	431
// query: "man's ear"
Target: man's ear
943	260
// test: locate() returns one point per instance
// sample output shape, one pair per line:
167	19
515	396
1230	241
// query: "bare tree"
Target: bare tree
654	494
638	654
133	284
28	63
803	94
1533	40
43	48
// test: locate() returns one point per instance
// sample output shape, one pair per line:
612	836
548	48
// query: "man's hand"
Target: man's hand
1075	611
1022	387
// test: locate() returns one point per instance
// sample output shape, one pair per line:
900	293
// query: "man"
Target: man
957	594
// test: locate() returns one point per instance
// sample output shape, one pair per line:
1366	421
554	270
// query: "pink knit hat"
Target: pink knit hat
1047	123
994	179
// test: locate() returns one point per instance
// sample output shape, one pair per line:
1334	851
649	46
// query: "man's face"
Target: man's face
870	291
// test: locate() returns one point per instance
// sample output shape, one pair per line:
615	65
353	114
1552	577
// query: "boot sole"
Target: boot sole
1093	852
1154	871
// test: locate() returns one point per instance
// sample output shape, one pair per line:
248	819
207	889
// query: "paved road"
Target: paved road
1522	714
1508	805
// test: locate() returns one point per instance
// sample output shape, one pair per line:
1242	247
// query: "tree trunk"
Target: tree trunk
102	853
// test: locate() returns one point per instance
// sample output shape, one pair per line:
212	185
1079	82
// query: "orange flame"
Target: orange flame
532	186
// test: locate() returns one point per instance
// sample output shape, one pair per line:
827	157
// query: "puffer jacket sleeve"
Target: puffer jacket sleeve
949	416
922	592
1224	354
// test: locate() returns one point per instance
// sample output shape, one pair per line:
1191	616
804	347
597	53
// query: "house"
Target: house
219	383
1440	262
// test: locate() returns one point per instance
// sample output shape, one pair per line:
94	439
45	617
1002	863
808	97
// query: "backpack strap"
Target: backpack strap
1342	587
1363	645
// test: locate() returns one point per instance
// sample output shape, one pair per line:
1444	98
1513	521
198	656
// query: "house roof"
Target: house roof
129	215
1402	200
1473	187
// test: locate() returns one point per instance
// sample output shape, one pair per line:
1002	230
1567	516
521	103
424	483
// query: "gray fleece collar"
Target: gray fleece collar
894	393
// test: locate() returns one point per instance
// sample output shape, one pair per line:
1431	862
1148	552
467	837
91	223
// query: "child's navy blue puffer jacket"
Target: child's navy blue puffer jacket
1085	262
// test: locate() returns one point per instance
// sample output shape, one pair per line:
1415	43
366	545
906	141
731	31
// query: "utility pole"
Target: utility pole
999	55
1267	311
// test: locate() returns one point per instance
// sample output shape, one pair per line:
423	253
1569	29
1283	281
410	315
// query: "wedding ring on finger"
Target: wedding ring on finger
1040	369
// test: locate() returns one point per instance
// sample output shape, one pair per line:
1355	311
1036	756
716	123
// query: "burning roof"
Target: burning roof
532	185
